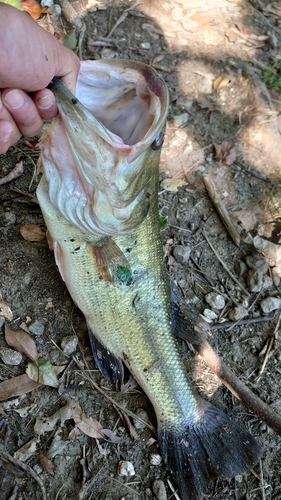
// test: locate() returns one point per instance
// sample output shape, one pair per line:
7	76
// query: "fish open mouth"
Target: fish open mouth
123	96
98	155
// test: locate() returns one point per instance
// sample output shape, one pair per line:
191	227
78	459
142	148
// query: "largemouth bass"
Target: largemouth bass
99	200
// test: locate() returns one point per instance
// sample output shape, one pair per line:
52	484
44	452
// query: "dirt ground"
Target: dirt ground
214	56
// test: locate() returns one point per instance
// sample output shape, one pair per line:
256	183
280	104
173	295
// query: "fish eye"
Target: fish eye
157	144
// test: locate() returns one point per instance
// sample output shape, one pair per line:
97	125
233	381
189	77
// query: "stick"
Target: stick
225	266
220	208
272	340
26	468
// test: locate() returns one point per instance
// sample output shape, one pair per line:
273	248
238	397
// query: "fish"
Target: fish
99	198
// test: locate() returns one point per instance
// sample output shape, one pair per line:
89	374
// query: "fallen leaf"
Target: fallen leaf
5	310
33	8
17	386
225	153
42	372
69	40
47	424
27	450
21	342
32	232
46	463
112	436
90	426
172	185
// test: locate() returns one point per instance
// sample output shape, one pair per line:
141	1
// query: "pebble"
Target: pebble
155	459
275	277
237	313
270	304
181	120
69	344
184	103
209	314
254	279
145	45
7	218
255	261
240	267
10	357
37	328
159	489
47	3
182	253
215	300
125	468
141	413
267	282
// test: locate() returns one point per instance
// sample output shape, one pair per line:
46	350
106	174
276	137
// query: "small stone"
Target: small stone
267	282
184	103
159	489
209	314
181	120
182	253
47	3
36	328
276	276
143	415
255	261
240	267
69	344
254	280
215	300
7	218
155	459
270	304
10	357
125	468
145	45
237	313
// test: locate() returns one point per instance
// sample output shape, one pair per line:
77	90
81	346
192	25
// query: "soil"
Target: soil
214	56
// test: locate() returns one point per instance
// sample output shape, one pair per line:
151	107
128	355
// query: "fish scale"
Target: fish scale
99	200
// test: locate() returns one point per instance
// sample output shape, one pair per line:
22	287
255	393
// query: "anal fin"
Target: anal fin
111	368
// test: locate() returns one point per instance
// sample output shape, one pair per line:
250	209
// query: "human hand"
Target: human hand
30	57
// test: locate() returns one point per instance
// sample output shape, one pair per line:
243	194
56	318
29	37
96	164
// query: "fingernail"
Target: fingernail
14	99
45	102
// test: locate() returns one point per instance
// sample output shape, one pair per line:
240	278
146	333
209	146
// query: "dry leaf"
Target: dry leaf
21	342
172	185
32	232
5	310
42	372
3	413
26	451
17	386
47	424
33	8
46	463
88	425
225	153
112	436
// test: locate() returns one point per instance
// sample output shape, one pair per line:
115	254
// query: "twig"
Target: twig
230	324
225	266
173	490
220	208
16	172
6	456
162	68
246	312
272	340
262	482
194	330
80	41
111	400
123	17
70	13
87	486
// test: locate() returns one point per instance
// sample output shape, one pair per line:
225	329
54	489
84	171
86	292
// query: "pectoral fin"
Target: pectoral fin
111	263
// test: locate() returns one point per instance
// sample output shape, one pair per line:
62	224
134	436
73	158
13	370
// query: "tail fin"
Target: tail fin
214	445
